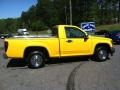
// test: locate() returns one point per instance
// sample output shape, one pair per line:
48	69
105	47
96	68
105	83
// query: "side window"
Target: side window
54	32
72	32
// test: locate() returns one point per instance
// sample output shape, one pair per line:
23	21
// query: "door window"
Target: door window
72	32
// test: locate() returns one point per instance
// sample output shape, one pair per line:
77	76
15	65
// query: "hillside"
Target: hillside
108	27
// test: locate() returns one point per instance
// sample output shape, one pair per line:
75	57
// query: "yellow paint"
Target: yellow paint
56	47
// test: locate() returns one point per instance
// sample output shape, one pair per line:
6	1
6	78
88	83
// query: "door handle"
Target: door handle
69	41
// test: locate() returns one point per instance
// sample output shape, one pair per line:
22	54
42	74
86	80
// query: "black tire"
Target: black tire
101	54
36	60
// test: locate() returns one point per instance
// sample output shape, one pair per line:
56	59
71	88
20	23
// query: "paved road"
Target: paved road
79	75
99	76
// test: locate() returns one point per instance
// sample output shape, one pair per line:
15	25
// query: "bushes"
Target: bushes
38	26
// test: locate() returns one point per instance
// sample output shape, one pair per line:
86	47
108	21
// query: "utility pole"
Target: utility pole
70	12
66	15
119	11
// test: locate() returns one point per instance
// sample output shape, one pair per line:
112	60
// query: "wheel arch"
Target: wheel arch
36	48
103	45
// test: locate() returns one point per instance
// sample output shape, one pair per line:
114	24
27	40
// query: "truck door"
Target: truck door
75	43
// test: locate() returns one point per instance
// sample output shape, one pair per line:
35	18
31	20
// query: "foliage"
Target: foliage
47	13
9	25
37	26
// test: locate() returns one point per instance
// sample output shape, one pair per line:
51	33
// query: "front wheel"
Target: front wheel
36	59
101	54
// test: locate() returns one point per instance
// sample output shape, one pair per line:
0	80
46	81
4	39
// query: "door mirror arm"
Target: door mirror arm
86	37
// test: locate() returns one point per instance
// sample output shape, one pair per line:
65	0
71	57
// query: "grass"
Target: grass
108	27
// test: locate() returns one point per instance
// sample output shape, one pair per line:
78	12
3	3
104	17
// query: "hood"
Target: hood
98	37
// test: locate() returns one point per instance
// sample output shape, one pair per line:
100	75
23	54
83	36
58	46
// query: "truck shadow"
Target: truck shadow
67	60
57	61
16	63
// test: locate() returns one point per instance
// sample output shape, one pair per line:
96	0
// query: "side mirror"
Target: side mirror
86	36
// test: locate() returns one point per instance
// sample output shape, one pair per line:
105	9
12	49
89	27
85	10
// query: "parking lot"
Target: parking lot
71	74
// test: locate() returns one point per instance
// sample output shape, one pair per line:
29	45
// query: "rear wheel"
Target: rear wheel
101	54
36	59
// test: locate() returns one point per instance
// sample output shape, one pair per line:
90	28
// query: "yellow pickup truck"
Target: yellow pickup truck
64	41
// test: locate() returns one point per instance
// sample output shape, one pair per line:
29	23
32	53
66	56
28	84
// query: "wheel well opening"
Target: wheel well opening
103	45
31	49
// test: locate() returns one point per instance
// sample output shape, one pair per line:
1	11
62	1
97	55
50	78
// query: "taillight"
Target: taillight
6	46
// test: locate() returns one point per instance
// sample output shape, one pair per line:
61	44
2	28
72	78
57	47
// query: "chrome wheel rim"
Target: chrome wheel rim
102	54
36	60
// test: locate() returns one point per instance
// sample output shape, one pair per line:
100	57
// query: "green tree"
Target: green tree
47	13
38	26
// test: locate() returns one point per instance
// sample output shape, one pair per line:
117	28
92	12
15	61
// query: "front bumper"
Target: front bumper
112	51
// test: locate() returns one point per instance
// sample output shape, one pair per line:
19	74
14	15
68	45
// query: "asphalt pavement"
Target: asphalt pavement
71	74
100	75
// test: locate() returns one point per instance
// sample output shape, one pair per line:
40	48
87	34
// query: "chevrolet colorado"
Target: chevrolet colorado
64	41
